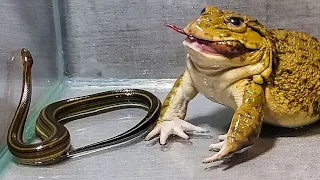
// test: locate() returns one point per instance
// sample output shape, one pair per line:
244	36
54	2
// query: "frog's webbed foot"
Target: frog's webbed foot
217	146
177	127
224	150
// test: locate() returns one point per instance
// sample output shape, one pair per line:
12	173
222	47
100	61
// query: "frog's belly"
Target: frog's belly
209	87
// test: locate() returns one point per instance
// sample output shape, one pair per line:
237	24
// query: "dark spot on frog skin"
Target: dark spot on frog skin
315	39
315	108
288	71
304	57
208	35
304	40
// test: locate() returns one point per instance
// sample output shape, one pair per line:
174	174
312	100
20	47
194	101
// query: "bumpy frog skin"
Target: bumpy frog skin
270	76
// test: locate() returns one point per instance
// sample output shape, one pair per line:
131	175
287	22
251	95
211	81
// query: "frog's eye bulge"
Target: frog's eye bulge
236	21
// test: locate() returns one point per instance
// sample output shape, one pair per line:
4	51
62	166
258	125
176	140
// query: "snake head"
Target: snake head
26	57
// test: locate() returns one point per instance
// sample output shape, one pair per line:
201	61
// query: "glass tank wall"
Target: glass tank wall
27	24
84	47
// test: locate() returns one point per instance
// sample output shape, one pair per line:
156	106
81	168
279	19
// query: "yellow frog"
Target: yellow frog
270	76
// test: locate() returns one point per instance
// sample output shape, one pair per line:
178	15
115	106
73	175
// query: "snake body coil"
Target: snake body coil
55	145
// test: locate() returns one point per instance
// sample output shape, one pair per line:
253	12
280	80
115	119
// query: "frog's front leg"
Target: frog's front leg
173	112
245	125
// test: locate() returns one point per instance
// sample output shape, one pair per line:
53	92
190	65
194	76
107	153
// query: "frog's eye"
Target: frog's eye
236	21
203	10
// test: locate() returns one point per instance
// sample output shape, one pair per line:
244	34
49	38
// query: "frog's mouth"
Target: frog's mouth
227	48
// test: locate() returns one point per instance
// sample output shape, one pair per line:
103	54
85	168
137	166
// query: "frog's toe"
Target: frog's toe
222	154
176	126
153	133
222	137
216	146
223	151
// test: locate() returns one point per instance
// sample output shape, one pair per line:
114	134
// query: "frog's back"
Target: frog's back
293	90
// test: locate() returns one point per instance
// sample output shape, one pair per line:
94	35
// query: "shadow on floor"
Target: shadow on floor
274	131
220	121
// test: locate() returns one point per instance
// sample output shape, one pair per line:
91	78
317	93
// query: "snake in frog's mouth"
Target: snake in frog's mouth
227	48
